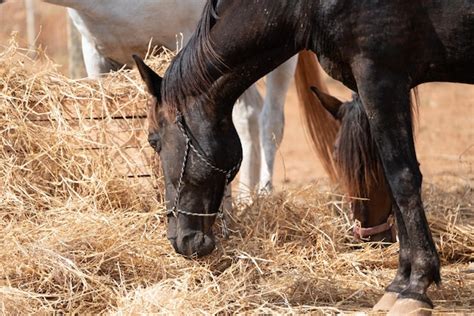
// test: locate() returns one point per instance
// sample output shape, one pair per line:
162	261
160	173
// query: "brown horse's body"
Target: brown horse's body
381	49
360	170
371	200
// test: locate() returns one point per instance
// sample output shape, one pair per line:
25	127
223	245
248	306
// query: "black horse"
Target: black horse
381	49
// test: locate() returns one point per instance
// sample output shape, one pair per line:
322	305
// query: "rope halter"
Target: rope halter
175	210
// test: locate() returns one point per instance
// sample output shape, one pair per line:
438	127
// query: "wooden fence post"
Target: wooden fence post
31	32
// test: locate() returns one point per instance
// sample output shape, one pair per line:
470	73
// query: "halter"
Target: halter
365	233
175	210
362	233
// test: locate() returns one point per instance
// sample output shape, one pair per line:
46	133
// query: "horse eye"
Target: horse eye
154	141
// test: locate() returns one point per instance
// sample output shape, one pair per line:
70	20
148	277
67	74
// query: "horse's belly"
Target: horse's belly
118	35
121	48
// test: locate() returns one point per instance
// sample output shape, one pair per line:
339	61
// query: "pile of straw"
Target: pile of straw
80	237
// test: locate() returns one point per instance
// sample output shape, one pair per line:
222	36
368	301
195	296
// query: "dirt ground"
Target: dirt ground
444	137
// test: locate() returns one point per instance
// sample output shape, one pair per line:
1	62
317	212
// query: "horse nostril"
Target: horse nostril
195	245
207	246
174	244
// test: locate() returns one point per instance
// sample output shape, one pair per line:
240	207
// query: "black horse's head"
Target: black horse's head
360	169
200	153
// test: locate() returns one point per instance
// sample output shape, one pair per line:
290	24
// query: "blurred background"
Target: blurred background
45	26
445	131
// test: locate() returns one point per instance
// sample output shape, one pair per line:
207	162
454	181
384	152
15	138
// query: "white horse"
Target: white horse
113	30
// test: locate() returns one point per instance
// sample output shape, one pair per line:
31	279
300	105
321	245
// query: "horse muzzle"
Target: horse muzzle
194	244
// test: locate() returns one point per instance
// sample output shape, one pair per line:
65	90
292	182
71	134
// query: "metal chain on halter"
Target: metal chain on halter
228	174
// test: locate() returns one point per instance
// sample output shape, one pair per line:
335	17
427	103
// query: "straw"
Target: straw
79	235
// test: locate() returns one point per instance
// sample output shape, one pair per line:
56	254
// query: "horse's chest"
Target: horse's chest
338	69
334	52
119	46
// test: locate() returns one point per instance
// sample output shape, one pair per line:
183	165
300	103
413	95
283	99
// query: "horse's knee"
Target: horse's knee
409	176
272	121
406	183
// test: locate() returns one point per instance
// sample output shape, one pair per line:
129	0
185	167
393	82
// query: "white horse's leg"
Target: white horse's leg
95	63
272	120
245	116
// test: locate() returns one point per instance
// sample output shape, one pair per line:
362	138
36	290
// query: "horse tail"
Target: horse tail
321	127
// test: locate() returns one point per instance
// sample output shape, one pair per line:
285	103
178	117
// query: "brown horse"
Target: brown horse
360	170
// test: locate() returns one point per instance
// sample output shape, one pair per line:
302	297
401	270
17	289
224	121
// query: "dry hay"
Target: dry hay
80	237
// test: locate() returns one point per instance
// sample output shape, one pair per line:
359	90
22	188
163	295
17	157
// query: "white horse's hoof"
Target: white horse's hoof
408	306
386	302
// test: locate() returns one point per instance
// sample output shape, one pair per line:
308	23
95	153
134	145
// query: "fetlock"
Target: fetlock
416	296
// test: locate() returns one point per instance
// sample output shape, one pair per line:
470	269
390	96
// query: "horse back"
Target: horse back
452	24
428	40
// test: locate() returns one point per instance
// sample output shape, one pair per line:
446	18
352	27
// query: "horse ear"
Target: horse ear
330	103
152	79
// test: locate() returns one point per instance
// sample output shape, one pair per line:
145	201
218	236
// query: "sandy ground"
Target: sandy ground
444	136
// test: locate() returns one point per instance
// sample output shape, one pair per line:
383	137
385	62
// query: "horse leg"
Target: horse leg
245	117
95	63
385	95
272	119
402	278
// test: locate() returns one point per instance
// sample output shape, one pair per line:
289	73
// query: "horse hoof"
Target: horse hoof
408	306
386	301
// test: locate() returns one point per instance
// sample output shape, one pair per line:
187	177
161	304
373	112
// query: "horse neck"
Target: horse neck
226	56
263	35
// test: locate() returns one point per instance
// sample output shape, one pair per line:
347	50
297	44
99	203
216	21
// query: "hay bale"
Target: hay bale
79	236
65	183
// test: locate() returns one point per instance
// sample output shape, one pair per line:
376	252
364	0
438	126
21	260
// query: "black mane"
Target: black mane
196	66
358	160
